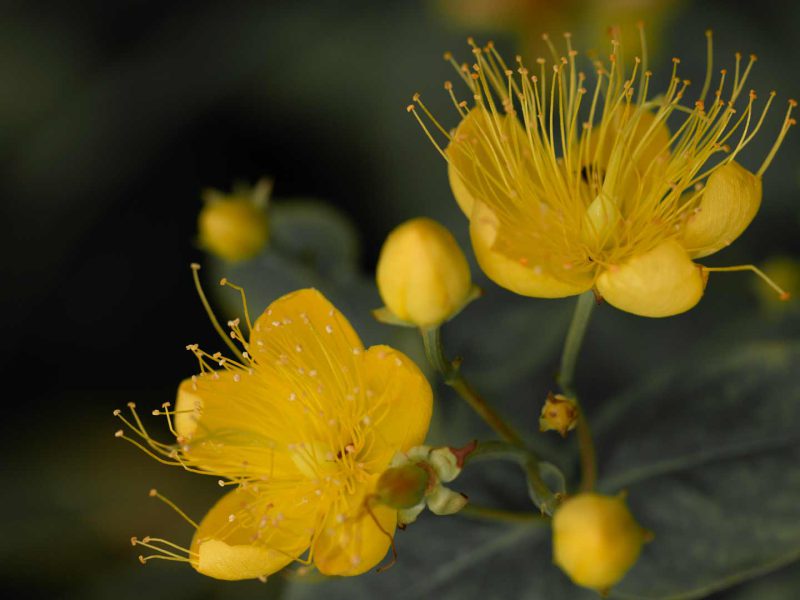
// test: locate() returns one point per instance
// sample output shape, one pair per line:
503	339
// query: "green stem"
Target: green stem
452	376
541	495
487	513
566	380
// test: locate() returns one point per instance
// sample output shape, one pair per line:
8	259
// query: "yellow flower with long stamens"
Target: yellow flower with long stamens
302	425
569	189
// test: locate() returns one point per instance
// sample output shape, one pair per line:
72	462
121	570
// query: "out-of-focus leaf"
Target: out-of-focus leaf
708	456
779	586
317	235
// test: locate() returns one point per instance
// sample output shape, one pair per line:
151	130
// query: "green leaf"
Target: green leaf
708	453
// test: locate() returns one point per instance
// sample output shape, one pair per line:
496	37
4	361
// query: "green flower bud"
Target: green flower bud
402	487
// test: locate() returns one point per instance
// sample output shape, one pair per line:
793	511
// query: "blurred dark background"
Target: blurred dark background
115	115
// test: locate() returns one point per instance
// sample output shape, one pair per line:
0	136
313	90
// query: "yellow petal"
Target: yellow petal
527	280
350	542
304	315
659	283
475	156
729	203
246	535
222	424
303	343
400	401
306	355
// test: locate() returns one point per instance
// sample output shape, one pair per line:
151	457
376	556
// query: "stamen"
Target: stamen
709	64
788	123
210	312
224	281
154	494
367	507
782	294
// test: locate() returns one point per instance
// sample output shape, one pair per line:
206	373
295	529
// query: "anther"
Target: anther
153	493
195	266
119	433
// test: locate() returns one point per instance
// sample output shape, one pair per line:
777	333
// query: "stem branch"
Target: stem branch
514	445
451	373
541	495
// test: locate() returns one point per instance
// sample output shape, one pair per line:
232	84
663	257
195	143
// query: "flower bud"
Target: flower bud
415	479
234	227
402	487
423	277
559	413
596	540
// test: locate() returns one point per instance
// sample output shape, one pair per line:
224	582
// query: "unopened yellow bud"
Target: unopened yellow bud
234	227
423	277
596	540
559	413
402	487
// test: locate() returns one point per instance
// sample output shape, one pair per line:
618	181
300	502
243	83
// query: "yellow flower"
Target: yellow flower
423	277
568	188
303	426
234	227
596	540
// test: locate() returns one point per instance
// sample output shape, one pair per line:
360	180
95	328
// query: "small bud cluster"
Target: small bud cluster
559	413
